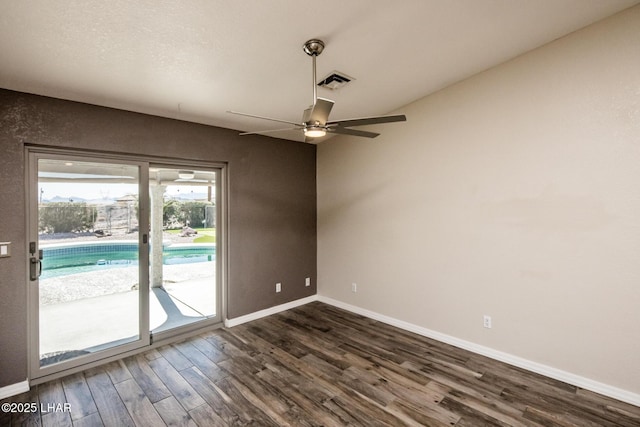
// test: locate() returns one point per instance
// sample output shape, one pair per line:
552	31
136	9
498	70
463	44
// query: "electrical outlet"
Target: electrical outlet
486	321
307	281
278	287
354	287
5	250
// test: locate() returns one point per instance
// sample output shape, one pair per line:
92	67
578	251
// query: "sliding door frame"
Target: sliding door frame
146	341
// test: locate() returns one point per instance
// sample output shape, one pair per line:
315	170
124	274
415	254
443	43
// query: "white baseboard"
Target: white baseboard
548	371
13	389
229	323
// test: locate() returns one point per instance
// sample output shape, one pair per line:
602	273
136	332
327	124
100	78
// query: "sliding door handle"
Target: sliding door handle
35	268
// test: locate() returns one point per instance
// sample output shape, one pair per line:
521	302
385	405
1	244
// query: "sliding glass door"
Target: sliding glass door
121	254
87	286
183	274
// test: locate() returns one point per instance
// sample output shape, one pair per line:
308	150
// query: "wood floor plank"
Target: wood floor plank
173	356
390	366
547	418
173	413
317	365
92	420
281	341
511	376
307	396
117	371
357	380
568	407
288	362
179	387
361	412
471	417
216	399
201	361
424	414
55	419
108	401
212	352
78	396
146	378
152	354
267	400
138	404
205	416
453	380
620	412
52	393
245	407
488	406
481	400
421	401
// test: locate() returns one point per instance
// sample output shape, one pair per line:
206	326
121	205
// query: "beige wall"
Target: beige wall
516	194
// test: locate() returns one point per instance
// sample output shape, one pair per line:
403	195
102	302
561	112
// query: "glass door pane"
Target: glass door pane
88	226
182	262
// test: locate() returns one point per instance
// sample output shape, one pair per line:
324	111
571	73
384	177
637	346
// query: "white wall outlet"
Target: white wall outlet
354	287
486	321
278	287
5	249
307	281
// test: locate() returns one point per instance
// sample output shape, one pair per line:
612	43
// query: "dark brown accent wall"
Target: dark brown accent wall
271	201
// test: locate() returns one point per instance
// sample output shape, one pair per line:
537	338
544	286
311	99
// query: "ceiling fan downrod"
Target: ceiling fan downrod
313	48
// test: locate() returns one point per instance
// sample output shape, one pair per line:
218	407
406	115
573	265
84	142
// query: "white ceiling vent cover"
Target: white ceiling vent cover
335	80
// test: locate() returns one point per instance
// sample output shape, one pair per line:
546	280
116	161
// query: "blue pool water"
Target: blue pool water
65	259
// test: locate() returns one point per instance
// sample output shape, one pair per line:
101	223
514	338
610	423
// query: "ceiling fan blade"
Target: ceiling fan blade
354	132
319	112
264	118
368	121
269	131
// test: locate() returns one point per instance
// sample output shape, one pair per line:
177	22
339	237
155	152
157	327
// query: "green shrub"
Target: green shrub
66	217
184	213
194	212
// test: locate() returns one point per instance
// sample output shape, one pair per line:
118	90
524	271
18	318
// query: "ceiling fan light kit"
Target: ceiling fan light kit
315	119
314	132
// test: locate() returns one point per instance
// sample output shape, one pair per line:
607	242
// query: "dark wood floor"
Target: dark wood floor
311	366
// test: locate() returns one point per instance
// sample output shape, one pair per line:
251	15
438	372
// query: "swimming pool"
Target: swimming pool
72	258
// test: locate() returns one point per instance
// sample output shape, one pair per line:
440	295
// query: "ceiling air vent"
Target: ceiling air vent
335	80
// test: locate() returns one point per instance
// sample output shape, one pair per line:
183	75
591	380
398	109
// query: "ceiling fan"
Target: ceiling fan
315	119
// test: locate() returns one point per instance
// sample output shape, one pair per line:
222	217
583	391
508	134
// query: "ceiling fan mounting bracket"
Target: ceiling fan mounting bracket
313	47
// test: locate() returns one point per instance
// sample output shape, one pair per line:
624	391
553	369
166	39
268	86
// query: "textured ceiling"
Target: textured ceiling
194	60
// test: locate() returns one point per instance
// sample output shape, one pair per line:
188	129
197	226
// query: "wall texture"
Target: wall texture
516	194
271	201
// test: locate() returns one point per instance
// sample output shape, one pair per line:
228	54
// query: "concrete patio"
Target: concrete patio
81	311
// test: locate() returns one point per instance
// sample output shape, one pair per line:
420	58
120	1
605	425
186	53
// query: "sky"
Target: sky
89	191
